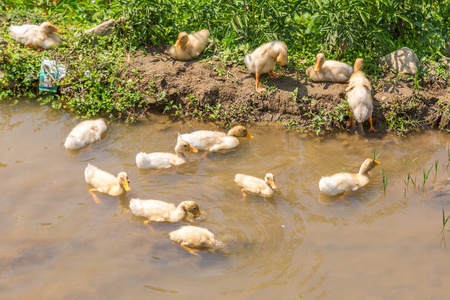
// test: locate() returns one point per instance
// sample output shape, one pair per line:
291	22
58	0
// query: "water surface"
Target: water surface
57	243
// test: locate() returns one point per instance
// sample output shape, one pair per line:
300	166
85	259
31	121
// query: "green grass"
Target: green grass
444	220
386	178
375	156
426	174
237	27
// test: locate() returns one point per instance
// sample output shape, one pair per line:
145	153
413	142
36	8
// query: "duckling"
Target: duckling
329	70
359	97
207	140
105	182
34	36
160	211
263	59
195	237
162	160
189	46
255	185
341	183
87	132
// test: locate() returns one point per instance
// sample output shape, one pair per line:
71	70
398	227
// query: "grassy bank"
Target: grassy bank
101	82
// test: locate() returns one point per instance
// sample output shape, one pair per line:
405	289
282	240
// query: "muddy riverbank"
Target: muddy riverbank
224	92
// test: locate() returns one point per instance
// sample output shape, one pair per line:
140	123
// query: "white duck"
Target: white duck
341	183
105	182
255	185
195	237
163	160
189	46
359	97
207	140
263	59
87	132
40	37
329	70
160	211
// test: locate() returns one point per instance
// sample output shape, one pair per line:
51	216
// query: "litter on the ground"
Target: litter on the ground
50	74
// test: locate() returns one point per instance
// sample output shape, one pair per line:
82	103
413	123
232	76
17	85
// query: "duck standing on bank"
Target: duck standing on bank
342	183
255	185
189	46
263	59
34	36
207	140
359	97
329	70
105	182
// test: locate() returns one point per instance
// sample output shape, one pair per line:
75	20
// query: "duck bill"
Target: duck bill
57	30
273	185
200	217
126	186
376	162
317	66
249	136
192	149
178	43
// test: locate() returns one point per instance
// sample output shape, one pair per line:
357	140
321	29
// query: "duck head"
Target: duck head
320	59
368	165
359	65
192	207
123	180
269	179
182	146
182	39
48	27
239	131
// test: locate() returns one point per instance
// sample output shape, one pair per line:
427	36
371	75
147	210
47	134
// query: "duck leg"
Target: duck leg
350	122
149	226
192	251
361	129
342	198
258	88
96	199
371	125
30	46
244	195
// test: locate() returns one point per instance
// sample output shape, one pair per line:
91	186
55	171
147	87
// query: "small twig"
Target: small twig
62	15
212	36
47	70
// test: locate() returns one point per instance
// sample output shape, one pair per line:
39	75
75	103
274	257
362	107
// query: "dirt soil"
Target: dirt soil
291	100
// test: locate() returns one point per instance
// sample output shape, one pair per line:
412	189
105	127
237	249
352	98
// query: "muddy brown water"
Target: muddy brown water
57	243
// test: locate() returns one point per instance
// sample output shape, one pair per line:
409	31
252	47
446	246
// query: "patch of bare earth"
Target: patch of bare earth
195	86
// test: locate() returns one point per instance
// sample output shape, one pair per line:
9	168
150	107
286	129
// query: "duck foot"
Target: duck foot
96	199
258	88
275	75
192	251
149	226
30	46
